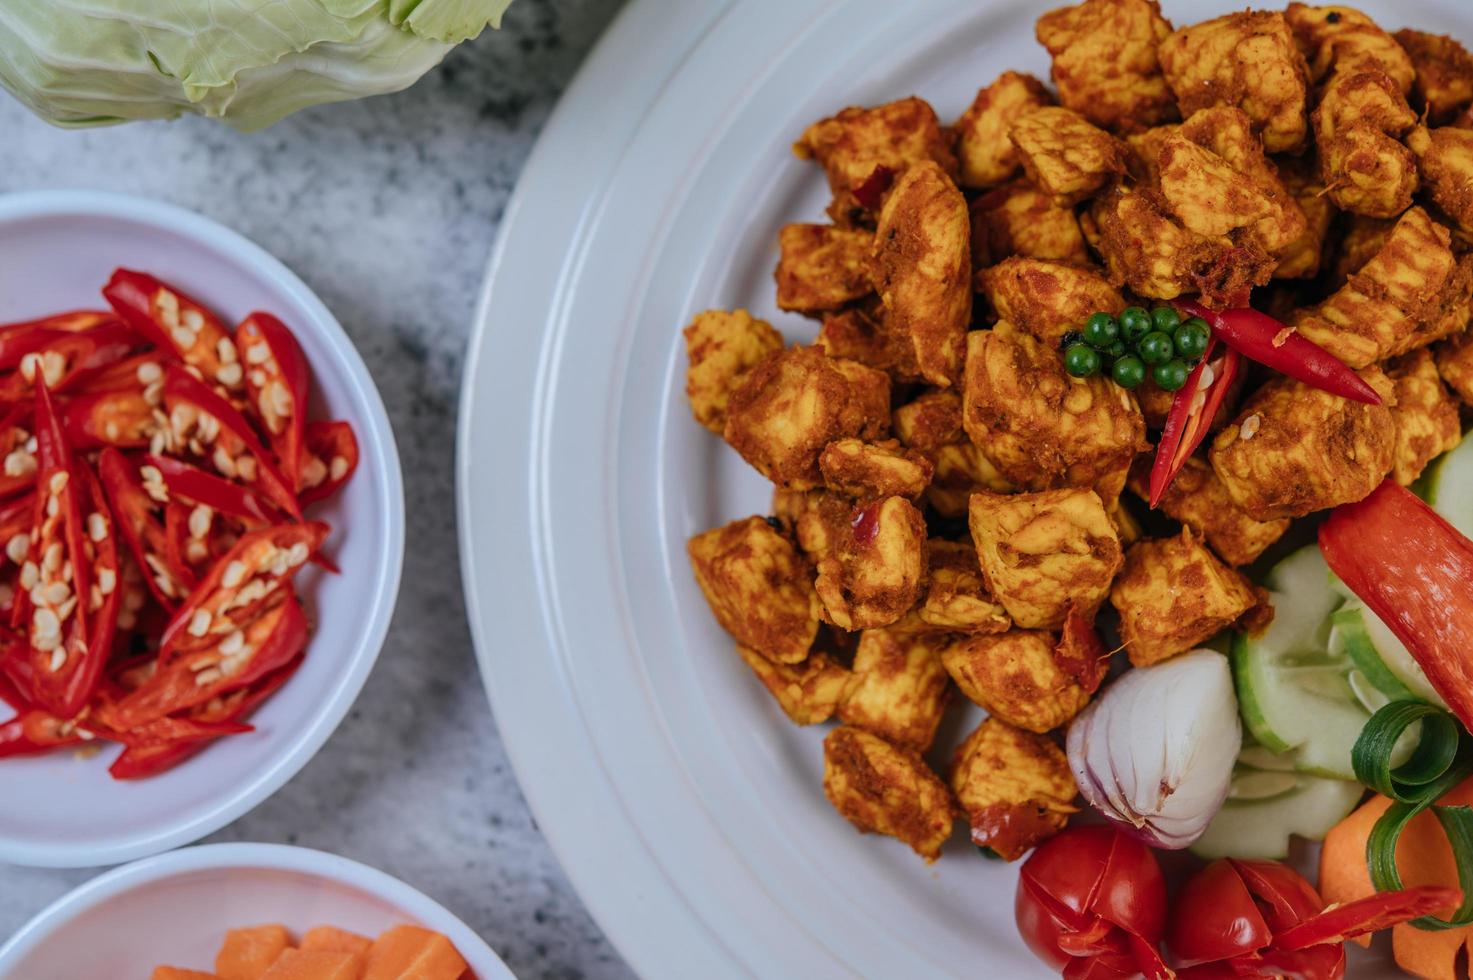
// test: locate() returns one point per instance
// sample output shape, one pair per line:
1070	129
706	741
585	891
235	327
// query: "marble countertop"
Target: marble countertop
387	208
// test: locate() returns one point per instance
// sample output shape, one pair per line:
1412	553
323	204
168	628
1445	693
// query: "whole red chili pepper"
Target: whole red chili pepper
1191	415
1260	337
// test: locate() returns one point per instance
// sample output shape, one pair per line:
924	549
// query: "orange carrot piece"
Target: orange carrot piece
1344	876
412	953
179	973
331	939
315	964
248	953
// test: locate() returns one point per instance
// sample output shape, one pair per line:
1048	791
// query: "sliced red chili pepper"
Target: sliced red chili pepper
35	731
1191	415
332	458
198	487
134	507
1277	345
66	360
277	380
176	323
18	472
74	320
1080	653
137	373
1370	914
121	418
237	452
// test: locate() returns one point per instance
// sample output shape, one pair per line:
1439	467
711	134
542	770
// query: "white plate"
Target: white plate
174	909
56	252
687	811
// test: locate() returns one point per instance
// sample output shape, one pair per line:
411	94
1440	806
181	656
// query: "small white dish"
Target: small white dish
174	909
57	249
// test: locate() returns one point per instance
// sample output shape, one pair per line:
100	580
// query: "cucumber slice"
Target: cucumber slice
1261	828
1349	635
1449	486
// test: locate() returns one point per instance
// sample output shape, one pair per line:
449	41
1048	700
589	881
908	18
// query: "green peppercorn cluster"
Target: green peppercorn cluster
1127	347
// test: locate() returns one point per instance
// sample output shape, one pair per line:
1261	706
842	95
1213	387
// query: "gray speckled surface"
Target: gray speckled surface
387	208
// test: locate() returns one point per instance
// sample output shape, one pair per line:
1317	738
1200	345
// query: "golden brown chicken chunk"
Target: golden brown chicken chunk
958	599
859	334
850	145
758	586
723	346
1304	256
871	559
1198	498
1293	449
1045	553
1105	63
1247	60
1445	161
1047	299
1172	594
1444	82
898	688
1425	413
1041	428
1015	677
985	153
1454	358
794	403
1410	293
884	789
1015	787
1064	155
932	420
808	692
921	266
1337	38
867	469
932	424
822	267
1360	238
1019	219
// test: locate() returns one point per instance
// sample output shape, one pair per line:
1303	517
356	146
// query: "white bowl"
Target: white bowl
174	910
57	249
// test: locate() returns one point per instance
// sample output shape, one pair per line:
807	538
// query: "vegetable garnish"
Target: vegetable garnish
1442	759
1191	415
1135	343
151	515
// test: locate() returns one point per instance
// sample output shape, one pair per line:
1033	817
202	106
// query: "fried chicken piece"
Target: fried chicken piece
1410	293
1246	60
1198	499
1064	155
1445	162
1444	73
932	424
1039	427
1173	594
1047	299
884	789
1015	677
723	346
1105	61
1293	449
1304	256
933	419
850	145
1426	415
822	267
921	267
1206	195
1015	787
1018	219
1335	38
958	599
866	470
871	560
791	405
985	153
758	586
1360	239
1045	553
898	688
859	334
1454	358
808	692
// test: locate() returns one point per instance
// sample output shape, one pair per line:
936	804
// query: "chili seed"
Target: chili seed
223	461
314	472
96	527
257	354
59	481
339	468
18	547
19	463
29	575
1250	426
149	372
226	350
182	337
230	375
58	659
199	623
234	574
207	676
233	643
107	580
194	320
245	466
199	521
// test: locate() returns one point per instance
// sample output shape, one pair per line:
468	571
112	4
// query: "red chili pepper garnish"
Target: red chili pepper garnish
73	321
176	323
1191	415
197	487
1261	338
276	382
331	459
865	524
18	470
35	731
1080	653
870	192
135	507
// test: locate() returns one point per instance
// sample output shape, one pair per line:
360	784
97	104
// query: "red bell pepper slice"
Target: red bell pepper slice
237	452
1191	415
1413	569
196	486
134	510
1260	337
1370	914
176	323
277	379
332	459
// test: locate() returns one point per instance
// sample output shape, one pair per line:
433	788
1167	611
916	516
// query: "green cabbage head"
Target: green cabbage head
248	62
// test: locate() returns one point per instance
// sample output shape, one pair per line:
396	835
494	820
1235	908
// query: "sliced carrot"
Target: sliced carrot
248	953
1344	876
412	953
179	973
334	940
315	964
